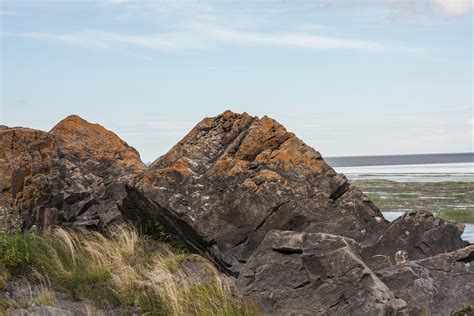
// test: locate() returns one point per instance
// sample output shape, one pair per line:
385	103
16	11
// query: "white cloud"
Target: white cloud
454	7
451	8
200	36
97	39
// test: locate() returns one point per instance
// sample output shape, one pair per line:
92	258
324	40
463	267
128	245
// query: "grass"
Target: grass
393	197
463	216
123	270
45	299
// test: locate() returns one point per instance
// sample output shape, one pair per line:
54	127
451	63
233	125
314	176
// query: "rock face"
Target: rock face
26	165
75	175
436	285
235	177
293	234
314	274
97	148
418	235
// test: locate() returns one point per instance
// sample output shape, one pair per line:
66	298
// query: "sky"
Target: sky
347	77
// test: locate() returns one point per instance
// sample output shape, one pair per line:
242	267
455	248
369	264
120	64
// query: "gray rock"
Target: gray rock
416	234
436	285
314	274
235	177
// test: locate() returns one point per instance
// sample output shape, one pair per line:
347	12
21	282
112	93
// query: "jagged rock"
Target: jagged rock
418	235
436	285
266	207
26	165
314	274
76	175
99	150
234	177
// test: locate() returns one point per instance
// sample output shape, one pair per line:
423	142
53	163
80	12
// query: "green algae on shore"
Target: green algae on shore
448	200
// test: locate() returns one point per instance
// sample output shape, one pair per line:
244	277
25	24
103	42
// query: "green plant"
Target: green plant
119	269
15	252
45	299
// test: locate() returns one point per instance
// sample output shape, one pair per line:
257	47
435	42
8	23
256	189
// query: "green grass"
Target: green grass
121	270
45	299
464	311
451	184
463	216
391	197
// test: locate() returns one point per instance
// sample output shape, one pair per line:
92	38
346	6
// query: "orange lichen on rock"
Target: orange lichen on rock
86	140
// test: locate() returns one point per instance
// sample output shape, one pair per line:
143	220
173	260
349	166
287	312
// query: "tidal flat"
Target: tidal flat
449	200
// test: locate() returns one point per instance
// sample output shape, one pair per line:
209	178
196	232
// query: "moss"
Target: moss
464	311
45	299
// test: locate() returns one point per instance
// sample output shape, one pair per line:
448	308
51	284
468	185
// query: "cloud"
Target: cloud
97	39
203	37
450	8
454	7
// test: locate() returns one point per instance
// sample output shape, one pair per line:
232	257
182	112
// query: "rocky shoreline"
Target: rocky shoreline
292	234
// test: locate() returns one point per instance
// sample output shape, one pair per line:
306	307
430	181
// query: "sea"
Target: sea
458	167
407	168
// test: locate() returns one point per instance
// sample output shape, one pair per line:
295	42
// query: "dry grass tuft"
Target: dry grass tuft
122	269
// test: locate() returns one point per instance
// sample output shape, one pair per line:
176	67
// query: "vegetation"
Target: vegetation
465	311
122	269
449	200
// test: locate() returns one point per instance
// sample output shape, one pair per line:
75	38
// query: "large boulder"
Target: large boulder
436	285
413	236
98	150
76	175
314	274
235	177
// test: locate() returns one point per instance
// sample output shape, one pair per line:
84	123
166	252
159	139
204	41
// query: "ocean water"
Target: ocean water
436	172
353	161
410	168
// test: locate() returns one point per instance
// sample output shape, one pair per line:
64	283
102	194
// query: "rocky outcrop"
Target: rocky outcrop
235	177
294	235
100	151
76	175
436	285
314	274
26	166
413	236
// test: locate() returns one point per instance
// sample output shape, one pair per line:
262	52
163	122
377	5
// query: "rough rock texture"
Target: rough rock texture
26	167
77	174
436	285
92	145
292	232
314	274
234	177
418	235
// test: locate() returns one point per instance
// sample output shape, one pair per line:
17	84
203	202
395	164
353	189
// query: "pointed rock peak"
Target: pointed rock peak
82	139
235	176
74	122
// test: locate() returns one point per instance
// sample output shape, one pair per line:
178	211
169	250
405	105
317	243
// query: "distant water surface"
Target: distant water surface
353	161
458	172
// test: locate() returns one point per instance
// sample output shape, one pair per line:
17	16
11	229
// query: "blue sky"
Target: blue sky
348	77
